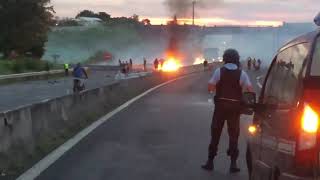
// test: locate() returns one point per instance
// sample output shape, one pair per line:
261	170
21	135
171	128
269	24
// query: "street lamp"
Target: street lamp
193	11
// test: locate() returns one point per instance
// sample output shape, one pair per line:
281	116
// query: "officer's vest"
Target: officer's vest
228	88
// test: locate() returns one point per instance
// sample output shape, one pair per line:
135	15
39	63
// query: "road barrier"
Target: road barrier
12	78
24	128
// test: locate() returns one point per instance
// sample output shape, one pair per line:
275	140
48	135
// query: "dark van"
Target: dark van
284	142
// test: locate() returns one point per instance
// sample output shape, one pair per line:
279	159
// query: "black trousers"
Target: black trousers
232	117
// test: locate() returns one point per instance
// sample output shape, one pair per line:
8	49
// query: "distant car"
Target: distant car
284	140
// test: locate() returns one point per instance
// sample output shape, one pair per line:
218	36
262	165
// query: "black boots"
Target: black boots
234	167
208	166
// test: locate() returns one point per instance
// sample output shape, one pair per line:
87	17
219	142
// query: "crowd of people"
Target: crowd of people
252	63
126	66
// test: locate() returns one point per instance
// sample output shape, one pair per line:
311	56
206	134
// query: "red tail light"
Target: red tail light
309	128
310	120
306	150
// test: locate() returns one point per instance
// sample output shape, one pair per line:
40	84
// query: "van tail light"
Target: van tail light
306	149
309	128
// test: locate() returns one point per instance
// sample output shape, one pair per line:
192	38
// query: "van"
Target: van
284	140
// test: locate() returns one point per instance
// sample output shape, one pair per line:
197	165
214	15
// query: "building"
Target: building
88	21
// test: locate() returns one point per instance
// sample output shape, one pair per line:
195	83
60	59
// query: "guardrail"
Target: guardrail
24	75
11	78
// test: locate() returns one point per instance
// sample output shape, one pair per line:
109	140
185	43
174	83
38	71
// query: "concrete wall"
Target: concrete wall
22	129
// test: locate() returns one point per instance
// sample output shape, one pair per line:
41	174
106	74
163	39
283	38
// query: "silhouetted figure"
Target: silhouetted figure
249	63
66	69
156	64
131	64
205	64
258	65
254	62
144	64
120	63
161	62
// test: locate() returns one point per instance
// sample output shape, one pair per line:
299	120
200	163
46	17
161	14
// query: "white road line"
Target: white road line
43	164
258	81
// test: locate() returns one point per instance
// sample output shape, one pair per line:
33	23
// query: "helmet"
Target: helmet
231	56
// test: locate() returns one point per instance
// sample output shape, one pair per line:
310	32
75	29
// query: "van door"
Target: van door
315	91
282	90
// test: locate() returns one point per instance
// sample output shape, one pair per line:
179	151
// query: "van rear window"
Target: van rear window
315	68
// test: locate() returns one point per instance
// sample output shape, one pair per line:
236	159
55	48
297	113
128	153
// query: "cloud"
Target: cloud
280	10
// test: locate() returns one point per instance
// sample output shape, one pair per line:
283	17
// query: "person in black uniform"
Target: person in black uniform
229	83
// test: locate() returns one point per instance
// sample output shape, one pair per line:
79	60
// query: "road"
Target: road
23	93
163	136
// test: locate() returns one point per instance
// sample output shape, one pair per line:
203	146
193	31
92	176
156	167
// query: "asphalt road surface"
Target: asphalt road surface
23	93
163	136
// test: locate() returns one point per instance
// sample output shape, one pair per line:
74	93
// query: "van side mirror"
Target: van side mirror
249	101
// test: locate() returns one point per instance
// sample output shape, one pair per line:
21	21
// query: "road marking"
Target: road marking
258	81
43	164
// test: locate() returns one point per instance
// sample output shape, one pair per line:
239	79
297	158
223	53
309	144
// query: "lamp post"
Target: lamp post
193	11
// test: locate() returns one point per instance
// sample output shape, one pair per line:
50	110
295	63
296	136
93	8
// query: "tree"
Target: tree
146	22
86	13
104	16
135	17
24	26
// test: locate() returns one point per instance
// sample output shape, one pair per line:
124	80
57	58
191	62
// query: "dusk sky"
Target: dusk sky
229	11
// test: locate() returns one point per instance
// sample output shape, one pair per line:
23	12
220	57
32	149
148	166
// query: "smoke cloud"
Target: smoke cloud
183	8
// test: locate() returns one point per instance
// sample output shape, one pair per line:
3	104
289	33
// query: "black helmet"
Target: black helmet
231	56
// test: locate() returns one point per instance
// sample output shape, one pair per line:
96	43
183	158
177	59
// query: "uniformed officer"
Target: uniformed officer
229	82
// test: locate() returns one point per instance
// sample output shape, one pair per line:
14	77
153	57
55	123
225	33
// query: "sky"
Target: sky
236	12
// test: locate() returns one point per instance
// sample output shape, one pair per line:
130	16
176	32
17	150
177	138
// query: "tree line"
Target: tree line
24	27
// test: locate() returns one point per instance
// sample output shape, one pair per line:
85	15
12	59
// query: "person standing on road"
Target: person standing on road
259	65
205	64
254	63
229	82
66	69
249	63
131	64
156	64
144	64
120	63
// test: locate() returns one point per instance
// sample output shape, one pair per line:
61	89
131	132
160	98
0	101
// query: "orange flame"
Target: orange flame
171	65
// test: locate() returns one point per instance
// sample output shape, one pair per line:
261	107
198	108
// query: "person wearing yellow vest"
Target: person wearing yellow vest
66	69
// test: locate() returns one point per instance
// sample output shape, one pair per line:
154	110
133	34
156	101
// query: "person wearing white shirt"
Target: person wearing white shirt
229	82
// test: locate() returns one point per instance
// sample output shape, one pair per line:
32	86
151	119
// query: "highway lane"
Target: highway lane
164	135
28	92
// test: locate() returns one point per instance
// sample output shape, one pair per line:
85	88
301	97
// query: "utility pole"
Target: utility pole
193	13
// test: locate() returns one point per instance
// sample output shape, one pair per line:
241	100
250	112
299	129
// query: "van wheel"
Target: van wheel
249	162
